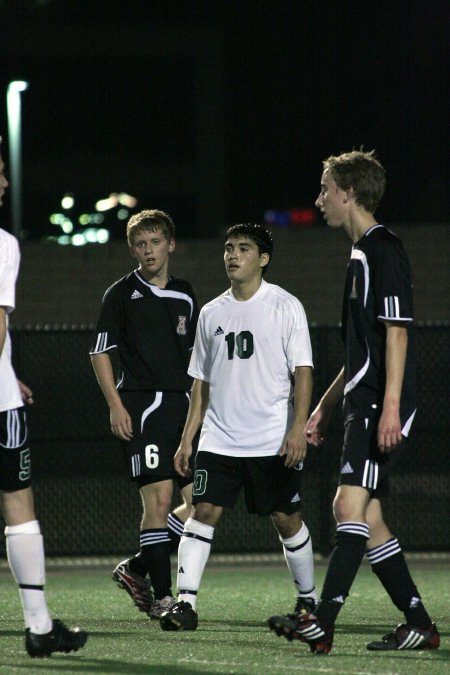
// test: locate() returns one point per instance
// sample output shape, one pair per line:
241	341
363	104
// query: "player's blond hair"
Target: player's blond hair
150	220
361	171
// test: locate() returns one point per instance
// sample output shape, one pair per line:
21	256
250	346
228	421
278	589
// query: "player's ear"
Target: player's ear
264	258
132	253
172	245
349	194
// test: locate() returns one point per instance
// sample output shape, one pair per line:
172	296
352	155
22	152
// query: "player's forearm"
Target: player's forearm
102	366
334	393
396	348
197	409
302	395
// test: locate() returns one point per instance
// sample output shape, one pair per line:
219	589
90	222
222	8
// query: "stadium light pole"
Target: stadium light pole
13	103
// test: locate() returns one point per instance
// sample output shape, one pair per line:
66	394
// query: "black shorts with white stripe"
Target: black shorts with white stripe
362	463
15	464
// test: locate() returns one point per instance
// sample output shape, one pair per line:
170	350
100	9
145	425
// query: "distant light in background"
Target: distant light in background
67	226
300	217
108	203
78	240
84	227
127	200
13	102
102	236
67	202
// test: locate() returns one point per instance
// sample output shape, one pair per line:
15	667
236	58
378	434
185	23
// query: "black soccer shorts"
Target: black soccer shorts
158	420
15	462
362	463
268	485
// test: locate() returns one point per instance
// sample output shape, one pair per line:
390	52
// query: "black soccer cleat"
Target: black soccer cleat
408	637
60	639
304	606
180	617
137	587
306	628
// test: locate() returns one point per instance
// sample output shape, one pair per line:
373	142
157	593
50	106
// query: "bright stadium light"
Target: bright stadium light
13	102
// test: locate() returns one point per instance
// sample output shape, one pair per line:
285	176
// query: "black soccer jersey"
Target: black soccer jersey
378	288
153	330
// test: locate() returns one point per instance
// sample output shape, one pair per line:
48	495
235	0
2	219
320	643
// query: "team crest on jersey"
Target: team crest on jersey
181	328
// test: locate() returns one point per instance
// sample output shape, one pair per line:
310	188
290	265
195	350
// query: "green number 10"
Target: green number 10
243	343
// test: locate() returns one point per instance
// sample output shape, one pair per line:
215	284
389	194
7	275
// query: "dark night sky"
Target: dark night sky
297	82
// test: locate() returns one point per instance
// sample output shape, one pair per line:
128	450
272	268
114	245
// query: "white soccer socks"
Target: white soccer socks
193	554
298	554
25	550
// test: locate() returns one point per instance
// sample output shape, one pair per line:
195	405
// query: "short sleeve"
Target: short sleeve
200	363
9	268
392	283
299	351
107	331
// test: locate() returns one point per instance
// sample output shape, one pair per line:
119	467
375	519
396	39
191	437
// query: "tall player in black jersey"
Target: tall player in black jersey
150	319
378	390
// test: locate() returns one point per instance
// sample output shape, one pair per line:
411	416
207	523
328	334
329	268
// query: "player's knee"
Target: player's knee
205	513
344	510
287	525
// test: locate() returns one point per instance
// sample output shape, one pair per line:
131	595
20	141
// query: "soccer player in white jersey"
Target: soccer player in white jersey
377	385
148	318
252	369
24	542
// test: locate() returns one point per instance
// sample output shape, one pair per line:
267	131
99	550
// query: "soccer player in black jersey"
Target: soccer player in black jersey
377	387
149	318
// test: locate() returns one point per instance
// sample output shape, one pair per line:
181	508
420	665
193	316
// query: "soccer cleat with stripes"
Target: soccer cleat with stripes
137	587
306	628
162	606
408	637
59	639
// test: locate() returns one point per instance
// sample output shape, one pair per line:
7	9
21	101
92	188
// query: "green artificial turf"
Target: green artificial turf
233	604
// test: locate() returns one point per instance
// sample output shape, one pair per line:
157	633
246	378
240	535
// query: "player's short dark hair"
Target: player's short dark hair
361	171
150	220
257	233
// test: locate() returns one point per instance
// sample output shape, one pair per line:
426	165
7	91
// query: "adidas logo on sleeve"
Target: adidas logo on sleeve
347	468
135	295
219	331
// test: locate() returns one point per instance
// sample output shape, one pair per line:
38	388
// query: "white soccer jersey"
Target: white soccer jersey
10	397
248	351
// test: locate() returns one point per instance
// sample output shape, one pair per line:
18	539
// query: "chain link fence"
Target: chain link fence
87	505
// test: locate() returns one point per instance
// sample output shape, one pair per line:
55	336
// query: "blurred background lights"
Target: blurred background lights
67	201
108	203
91	227
78	240
127	200
102	235
67	226
294	216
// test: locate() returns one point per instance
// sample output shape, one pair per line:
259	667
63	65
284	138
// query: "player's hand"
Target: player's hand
121	425
316	426
294	449
181	460
26	393
389	429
